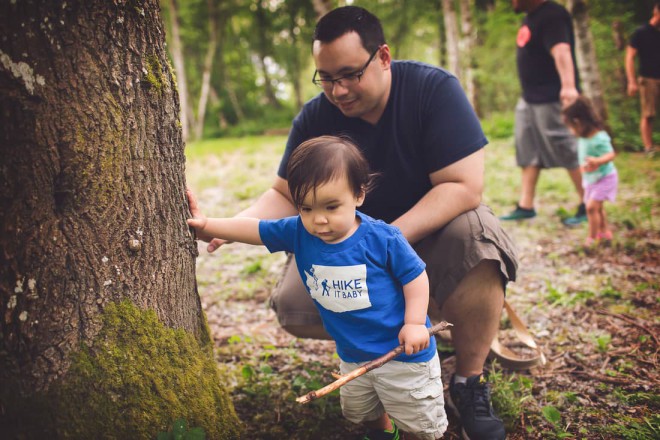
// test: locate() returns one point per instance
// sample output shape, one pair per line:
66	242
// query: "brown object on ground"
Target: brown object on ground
379	362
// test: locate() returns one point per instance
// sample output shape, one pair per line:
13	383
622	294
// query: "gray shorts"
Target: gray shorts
542	139
449	253
410	393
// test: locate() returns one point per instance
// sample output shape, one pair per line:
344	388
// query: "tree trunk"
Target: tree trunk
180	68
321	7
208	67
442	44
619	38
262	26
586	56
451	37
92	186
468	41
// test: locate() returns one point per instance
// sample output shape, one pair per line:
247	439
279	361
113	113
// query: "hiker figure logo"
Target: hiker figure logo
339	288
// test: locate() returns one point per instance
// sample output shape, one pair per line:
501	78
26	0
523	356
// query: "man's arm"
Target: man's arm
631	53
561	53
457	188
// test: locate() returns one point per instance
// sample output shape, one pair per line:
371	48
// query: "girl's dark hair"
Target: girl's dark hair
321	159
347	19
583	112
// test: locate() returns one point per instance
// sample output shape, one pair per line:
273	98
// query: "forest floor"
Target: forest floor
593	311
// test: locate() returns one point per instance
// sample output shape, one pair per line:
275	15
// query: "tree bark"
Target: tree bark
180	67
92	183
586	56
451	37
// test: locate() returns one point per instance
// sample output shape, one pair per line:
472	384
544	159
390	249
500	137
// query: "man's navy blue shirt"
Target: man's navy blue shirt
427	124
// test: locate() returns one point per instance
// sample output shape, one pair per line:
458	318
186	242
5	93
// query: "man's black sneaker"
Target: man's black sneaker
579	217
470	402
519	214
374	434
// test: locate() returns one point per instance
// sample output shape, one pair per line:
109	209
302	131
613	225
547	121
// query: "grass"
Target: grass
200	150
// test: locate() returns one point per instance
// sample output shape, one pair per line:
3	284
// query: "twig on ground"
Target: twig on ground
631	321
379	362
603	378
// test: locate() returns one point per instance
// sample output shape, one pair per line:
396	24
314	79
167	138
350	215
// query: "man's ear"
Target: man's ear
384	56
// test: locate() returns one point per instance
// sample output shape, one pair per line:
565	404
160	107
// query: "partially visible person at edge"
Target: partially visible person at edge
645	45
417	129
599	176
549	80
367	282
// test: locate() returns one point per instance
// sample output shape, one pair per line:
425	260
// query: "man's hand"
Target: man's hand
568	95
415	337
633	88
199	221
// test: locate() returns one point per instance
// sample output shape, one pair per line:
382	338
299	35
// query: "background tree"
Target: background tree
451	37
246	98
216	21
586	56
102	331
466	45
179	64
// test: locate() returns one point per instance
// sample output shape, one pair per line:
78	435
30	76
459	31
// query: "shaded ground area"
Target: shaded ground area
594	312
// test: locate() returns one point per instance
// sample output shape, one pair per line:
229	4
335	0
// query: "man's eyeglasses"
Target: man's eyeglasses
347	80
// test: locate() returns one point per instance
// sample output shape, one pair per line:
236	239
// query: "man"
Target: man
548	77
418	131
645	42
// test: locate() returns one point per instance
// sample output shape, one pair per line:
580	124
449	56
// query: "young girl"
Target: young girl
369	285
596	155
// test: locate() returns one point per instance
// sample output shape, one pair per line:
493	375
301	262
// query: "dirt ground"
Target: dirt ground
593	311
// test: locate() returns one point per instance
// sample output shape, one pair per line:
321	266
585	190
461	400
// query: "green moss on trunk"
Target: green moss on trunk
136	378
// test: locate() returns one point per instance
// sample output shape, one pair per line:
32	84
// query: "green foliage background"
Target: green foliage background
414	30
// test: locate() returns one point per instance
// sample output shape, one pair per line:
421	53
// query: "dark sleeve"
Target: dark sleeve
634	39
451	128
556	29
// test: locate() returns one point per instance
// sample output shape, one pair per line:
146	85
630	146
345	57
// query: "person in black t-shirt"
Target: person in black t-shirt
645	44
549	80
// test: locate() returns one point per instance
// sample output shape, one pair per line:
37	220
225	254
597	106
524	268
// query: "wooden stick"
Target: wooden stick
313	395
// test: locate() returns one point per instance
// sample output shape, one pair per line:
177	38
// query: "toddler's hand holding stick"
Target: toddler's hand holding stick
313	395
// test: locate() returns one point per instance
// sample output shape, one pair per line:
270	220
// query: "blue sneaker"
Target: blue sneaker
519	214
579	217
470	402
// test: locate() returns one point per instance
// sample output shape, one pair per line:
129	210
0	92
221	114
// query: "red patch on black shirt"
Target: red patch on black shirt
524	35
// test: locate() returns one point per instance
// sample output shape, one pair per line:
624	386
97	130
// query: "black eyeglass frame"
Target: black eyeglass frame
329	83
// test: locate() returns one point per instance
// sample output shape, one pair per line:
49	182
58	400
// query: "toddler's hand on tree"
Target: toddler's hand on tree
199	220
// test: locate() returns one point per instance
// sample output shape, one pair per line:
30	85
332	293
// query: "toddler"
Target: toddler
596	155
369	285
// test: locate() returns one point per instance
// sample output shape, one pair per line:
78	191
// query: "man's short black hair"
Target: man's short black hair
347	19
